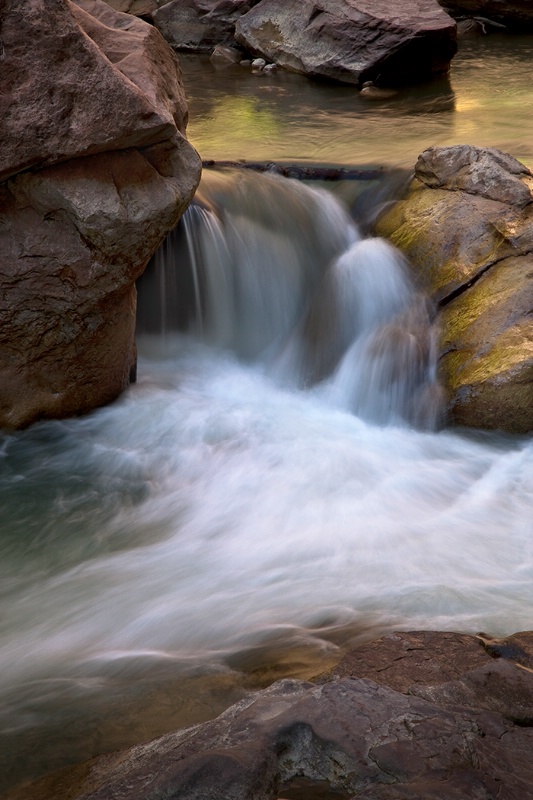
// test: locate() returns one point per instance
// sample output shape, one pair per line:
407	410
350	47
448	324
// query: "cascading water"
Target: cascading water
280	276
271	487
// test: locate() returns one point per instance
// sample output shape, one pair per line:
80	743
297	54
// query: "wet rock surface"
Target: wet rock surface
467	227
352	40
97	170
462	731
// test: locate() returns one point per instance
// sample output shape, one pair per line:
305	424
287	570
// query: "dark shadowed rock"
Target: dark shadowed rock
352	40
199	25
77	229
512	13
348	737
517	648
467	228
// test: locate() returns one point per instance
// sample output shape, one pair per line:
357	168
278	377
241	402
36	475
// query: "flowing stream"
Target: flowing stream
278	485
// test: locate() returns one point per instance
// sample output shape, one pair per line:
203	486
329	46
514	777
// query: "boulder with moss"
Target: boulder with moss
467	227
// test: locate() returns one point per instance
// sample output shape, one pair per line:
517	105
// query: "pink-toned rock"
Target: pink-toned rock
80	78
83	209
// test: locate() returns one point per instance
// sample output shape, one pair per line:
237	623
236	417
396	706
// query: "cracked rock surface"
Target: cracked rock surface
466	226
350	737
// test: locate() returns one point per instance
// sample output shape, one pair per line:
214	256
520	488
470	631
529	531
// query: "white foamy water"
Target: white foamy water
218	504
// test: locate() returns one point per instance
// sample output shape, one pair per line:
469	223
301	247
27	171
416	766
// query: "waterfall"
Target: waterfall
277	272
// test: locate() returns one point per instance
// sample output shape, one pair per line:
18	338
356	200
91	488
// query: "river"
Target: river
273	488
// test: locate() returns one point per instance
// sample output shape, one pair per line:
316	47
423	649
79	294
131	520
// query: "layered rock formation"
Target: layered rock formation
96	171
433	715
467	227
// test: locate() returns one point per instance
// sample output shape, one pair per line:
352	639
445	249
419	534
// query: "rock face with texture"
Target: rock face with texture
467	227
512	13
96	171
352	40
139	8
199	25
461	730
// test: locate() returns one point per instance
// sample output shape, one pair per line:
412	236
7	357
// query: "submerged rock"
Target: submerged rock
467	227
449	733
352	40
98	171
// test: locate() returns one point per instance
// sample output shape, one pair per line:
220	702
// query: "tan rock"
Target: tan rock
467	228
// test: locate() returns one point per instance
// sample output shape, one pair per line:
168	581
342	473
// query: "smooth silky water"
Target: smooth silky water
280	483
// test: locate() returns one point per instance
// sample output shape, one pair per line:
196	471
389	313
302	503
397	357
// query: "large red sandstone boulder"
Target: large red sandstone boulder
98	172
352	40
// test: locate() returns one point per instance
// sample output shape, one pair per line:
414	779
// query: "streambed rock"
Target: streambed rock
467	227
450	738
96	171
199	25
352	40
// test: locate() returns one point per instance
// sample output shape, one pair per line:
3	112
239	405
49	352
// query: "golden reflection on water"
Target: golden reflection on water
486	101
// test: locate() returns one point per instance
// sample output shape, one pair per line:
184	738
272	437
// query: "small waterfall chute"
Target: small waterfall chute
277	273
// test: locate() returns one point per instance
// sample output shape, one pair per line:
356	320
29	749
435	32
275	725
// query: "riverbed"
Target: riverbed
229	521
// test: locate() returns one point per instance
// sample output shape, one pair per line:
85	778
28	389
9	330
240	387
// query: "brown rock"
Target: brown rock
517	648
67	94
401	660
76	234
198	25
499	686
350	736
352	40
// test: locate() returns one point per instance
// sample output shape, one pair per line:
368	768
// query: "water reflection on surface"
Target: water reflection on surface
486	101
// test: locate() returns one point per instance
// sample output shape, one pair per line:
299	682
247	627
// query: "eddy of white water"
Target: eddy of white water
275	472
